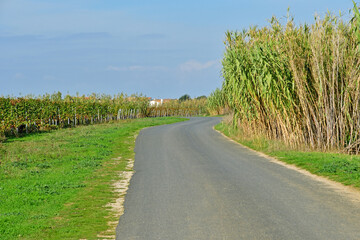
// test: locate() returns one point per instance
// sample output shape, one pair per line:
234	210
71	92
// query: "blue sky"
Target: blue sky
159	48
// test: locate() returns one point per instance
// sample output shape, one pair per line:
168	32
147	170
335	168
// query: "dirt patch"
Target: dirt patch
120	187
350	192
117	206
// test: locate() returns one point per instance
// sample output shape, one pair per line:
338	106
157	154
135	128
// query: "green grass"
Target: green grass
55	185
343	168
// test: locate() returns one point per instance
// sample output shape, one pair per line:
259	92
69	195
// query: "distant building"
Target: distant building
157	102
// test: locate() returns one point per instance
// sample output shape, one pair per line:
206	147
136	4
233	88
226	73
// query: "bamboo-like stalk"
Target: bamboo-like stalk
300	84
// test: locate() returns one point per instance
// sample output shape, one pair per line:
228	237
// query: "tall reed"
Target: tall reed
300	84
216	103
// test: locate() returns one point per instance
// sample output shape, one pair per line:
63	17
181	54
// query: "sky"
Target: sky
158	48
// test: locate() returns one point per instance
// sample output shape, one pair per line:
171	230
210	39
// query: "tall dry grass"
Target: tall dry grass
300	84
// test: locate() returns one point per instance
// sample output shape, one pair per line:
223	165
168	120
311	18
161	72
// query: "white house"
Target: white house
156	102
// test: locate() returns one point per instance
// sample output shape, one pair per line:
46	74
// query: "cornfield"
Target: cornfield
299	84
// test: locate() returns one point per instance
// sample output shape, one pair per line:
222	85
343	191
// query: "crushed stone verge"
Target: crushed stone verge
117	206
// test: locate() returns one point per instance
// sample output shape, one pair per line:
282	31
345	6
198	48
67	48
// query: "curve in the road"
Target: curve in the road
192	183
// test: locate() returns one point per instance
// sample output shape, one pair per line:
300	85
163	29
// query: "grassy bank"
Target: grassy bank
339	167
55	185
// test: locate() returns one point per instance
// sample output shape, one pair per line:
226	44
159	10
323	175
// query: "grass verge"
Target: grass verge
55	185
339	167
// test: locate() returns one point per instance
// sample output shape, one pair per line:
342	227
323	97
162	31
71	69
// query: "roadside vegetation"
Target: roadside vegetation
55	185
296	83
20	116
184	106
293	92
216	103
340	167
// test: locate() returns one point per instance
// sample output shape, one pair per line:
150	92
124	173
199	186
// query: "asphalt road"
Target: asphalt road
192	183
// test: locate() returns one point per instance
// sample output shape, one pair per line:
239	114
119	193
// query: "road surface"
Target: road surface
190	182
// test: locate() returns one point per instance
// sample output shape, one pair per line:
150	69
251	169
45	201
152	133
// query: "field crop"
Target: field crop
191	107
31	114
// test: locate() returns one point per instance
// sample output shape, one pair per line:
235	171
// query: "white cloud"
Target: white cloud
194	65
135	68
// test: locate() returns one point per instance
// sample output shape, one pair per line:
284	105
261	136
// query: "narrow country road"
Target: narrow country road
190	182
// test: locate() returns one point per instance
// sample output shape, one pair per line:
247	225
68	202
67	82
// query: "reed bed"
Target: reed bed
296	83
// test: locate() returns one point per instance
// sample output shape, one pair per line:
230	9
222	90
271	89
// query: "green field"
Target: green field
340	167
55	185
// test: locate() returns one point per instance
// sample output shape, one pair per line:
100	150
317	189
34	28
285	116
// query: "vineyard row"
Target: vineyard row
21	115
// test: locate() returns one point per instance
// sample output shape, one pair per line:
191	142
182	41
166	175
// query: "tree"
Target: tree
201	97
184	98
